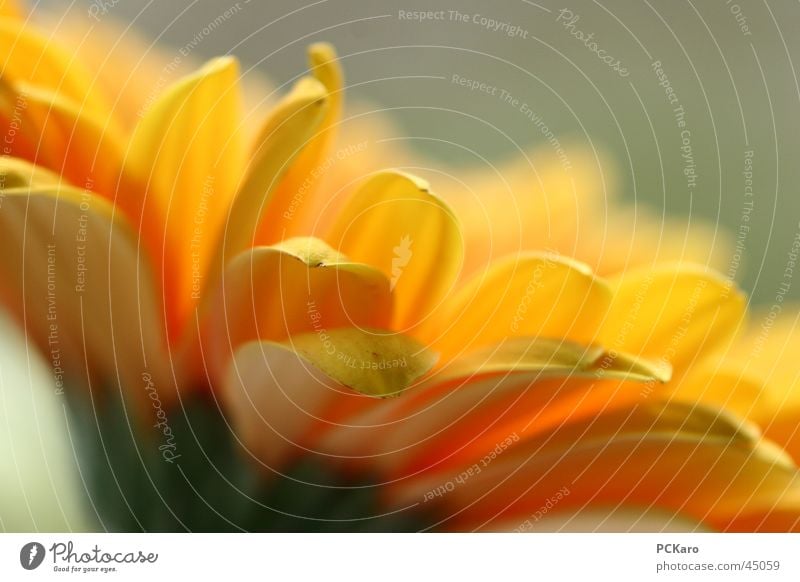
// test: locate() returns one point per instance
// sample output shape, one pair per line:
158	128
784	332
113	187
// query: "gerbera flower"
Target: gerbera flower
254	323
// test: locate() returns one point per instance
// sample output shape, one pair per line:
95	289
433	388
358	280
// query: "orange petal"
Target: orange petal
682	458
459	409
74	142
188	150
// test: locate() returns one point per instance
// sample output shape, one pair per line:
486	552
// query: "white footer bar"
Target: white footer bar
388	557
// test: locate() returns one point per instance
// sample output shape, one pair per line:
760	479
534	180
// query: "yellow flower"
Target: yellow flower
177	253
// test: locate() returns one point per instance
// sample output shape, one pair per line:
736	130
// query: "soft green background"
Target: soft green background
740	91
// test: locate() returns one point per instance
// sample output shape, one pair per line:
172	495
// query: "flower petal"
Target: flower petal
188	149
301	285
456	410
274	397
537	295
293	207
549	357
11	9
280	394
73	276
534	201
675	313
16	173
688	459
394	223
768	352
31	56
295	121
373	362
757	377
74	142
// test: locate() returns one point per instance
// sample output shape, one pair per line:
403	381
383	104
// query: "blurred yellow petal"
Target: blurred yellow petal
12	8
678	314
767	351
294	122
737	393
394	223
300	285
188	150
758	376
281	395
567	202
766	403
72	274
31	56
537	295
533	202
641	238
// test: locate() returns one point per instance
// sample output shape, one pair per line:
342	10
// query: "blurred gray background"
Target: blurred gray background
732	65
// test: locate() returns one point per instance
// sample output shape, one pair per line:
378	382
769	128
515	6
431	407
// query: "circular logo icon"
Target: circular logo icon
31	555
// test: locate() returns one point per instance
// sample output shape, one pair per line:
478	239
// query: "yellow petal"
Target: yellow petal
188	150
294	122
537	295
31	56
394	223
548	357
768	352
726	389
72	274
565	201
296	197
675	313
373	362
757	377
301	285
770	404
